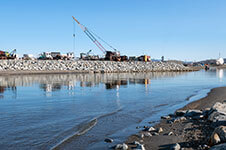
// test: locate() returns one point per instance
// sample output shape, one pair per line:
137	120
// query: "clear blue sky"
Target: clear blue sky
177	29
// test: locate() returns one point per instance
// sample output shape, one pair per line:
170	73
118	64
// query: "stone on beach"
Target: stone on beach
193	113
139	147
175	147
217	114
165	117
160	130
147	134
108	140
135	143
219	147
218	135
196	131
150	129
170	133
179	119
141	135
155	133
121	147
215	139
180	113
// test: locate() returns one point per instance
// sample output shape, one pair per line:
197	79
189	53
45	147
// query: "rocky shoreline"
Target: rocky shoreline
73	66
200	125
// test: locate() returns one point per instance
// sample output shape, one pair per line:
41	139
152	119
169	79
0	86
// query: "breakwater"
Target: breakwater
89	66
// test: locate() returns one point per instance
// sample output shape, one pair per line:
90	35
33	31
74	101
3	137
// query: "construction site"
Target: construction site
111	61
110	54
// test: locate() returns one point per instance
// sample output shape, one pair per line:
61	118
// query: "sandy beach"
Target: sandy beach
190	134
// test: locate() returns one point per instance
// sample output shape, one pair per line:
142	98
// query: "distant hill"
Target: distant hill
209	61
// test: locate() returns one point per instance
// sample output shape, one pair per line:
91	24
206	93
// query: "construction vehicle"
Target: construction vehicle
68	56
56	56
144	58
45	56
133	58
124	58
109	55
28	57
7	55
88	56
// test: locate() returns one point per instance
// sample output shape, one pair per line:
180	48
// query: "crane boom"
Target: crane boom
91	36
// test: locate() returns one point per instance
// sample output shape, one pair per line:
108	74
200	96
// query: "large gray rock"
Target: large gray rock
121	147
108	140
193	113
175	147
139	147
150	129
214	139
180	113
217	114
165	117
179	119
219	147
160	130
218	135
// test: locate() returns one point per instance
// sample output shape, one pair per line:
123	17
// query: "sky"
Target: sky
190	30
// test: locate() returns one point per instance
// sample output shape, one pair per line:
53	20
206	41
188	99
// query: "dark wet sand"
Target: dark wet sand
190	134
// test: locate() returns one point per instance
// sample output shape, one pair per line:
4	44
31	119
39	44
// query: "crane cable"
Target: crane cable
73	36
102	40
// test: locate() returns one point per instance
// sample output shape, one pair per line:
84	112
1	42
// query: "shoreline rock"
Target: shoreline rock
91	66
189	129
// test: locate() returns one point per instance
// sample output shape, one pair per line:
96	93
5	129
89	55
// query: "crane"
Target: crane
109	55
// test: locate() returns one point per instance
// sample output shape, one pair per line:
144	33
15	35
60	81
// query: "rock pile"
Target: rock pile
89	66
215	115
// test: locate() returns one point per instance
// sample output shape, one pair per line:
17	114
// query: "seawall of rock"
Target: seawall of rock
89	66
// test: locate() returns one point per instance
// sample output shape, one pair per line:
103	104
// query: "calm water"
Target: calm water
78	111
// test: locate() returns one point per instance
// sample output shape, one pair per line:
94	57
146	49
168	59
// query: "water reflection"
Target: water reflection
116	84
51	83
220	74
5	88
50	87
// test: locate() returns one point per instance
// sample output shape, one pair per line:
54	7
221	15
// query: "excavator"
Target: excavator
7	55
87	56
109	55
